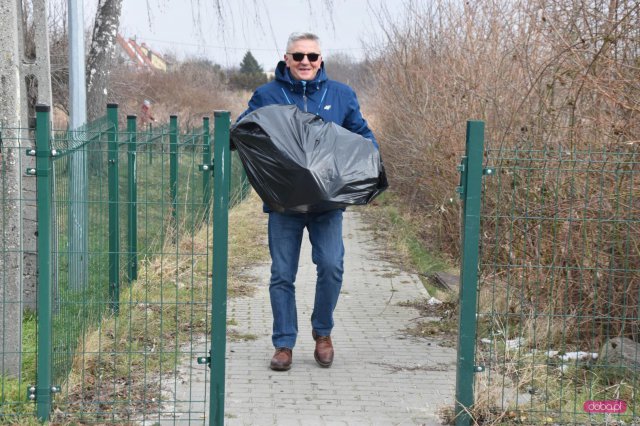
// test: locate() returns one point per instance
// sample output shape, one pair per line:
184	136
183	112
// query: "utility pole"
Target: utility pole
38	70
77	91
10	183
18	221
78	209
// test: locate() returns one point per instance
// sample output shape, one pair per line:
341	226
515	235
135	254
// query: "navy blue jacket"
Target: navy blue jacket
333	101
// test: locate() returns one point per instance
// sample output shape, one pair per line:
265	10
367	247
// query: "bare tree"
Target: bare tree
105	30
103	40
545	75
342	67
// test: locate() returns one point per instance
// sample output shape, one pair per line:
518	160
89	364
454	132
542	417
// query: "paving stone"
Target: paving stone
366	384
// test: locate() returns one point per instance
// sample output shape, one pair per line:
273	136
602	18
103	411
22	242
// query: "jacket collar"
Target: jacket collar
283	75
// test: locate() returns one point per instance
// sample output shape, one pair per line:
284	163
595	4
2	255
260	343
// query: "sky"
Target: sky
193	28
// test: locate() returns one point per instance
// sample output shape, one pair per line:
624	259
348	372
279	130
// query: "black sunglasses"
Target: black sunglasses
300	56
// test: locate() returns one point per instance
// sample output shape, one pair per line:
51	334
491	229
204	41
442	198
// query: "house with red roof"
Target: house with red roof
140	56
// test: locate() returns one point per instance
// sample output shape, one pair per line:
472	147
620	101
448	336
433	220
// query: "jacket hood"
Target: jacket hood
284	75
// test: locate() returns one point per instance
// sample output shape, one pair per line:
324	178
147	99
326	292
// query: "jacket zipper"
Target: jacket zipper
304	95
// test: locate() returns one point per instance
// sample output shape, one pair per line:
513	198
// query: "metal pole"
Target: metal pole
206	176
114	220
470	190
173	171
77	90
43	189
78	208
221	180
133	199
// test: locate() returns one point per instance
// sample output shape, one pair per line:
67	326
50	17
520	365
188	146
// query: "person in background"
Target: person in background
145	114
301	80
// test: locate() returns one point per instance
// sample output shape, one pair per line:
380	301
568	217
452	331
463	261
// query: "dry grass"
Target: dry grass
563	84
449	63
191	91
560	247
438	321
526	380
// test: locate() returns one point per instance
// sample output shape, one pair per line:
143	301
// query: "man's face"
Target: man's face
304	69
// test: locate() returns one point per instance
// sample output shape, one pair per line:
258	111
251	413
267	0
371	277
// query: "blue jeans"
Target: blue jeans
327	253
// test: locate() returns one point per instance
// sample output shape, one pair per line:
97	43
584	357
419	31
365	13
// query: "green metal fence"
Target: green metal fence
17	292
125	308
549	304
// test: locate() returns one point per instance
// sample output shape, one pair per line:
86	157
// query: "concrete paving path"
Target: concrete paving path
380	375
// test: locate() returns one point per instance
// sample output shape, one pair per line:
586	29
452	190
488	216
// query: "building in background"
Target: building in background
139	56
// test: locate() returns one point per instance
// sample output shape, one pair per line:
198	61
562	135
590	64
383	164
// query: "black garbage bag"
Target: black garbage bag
297	162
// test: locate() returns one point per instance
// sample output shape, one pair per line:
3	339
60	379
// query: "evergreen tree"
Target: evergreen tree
249	64
250	75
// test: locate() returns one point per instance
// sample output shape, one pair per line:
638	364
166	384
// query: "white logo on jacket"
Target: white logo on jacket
327	107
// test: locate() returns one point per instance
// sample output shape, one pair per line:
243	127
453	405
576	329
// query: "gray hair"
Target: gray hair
302	36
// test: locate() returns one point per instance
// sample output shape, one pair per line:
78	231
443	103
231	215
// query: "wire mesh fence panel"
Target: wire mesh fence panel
80	249
140	362
123	317
17	275
559	286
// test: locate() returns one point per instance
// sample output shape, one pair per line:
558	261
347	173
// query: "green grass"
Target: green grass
13	401
400	233
423	260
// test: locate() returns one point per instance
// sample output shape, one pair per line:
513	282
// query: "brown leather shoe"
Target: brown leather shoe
324	350
282	359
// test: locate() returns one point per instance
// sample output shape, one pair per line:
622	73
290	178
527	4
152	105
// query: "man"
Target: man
145	114
301	80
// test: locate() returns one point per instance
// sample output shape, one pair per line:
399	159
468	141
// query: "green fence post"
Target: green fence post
173	170
43	190
149	131
221	180
206	161
132	264
114	222
470	190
